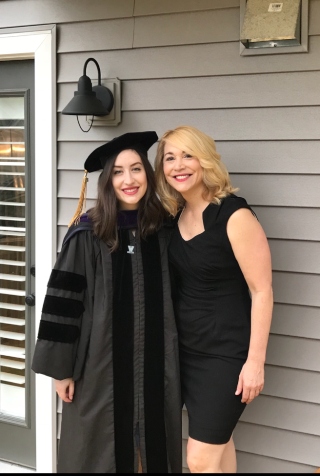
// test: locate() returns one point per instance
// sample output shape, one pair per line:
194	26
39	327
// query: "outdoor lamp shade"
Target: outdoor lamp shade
85	101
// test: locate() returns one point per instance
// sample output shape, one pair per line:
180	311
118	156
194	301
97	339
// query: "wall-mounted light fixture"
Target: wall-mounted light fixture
95	101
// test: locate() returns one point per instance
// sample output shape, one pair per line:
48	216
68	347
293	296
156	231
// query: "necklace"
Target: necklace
181	214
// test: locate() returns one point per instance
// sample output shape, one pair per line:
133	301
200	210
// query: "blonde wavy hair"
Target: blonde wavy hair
216	177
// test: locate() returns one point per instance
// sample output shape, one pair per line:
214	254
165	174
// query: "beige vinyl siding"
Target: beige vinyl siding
153	7
39	12
247	461
298	321
300	289
296	256
290	446
273	412
216	59
282	89
299	384
263	124
179	63
85	36
250	157
264	115
290	222
179	28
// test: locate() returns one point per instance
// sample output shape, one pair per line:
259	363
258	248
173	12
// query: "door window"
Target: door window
12	259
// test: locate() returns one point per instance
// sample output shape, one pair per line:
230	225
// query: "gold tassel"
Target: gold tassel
82	200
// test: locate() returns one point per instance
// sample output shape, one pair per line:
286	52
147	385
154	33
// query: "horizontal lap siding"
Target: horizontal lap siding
36	12
214	59
273	157
294	352
179	63
298	321
296	256
113	34
296	288
153	7
282	123
181	28
283	414
290	222
278	222
247	462
255	188
291	446
281	89
299	384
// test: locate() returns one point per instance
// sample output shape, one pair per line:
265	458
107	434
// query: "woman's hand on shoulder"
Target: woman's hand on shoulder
65	389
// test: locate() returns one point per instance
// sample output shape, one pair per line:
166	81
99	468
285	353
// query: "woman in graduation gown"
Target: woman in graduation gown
107	334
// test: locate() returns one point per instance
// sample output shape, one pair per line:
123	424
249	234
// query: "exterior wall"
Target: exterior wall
179	63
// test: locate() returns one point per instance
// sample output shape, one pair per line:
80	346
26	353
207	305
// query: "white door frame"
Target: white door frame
39	43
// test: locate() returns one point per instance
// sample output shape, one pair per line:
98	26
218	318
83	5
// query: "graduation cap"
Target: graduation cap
141	141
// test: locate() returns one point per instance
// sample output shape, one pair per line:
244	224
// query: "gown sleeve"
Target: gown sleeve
63	308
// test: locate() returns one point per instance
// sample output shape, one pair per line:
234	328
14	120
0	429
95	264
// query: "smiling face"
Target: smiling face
182	171
129	179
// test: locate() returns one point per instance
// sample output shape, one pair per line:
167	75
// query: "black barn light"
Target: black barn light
88	100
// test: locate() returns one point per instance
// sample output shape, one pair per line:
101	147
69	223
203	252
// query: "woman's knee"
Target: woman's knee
203	457
195	463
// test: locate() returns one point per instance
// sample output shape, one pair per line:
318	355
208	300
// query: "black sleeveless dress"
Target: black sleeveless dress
213	306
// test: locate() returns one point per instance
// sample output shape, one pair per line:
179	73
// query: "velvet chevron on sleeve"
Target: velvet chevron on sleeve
65	320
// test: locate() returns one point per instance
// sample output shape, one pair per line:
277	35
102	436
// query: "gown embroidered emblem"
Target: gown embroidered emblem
130	250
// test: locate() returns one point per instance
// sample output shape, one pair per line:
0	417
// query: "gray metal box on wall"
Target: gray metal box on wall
269	24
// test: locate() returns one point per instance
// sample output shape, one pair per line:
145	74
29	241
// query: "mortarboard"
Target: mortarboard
131	140
99	157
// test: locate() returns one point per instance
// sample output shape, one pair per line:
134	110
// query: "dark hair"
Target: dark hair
104	213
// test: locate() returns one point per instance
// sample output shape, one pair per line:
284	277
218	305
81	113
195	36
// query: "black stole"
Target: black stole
123	337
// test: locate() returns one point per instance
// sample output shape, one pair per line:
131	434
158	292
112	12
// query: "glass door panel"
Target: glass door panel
12	260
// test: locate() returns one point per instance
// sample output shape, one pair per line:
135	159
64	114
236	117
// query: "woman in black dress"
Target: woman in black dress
221	268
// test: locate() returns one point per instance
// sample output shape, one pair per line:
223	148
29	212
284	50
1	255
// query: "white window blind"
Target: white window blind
12	263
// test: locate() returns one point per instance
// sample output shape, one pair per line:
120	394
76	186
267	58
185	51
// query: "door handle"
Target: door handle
30	300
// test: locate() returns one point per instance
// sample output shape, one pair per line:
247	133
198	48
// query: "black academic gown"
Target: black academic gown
108	323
